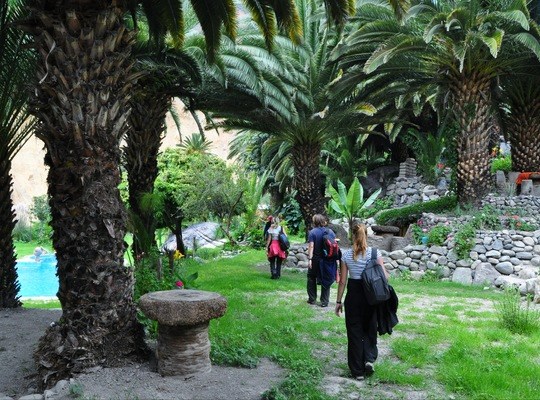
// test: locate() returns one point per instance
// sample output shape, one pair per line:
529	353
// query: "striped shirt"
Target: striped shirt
357	267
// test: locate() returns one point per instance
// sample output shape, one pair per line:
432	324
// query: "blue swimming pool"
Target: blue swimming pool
37	278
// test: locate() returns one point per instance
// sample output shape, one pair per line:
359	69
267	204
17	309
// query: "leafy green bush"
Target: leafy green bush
432	275
518	224
464	241
428	149
417	232
379	205
406	215
501	164
22	233
438	234
42	212
292	215
514	317
487	218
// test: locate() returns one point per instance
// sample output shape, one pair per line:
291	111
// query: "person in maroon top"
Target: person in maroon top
274	252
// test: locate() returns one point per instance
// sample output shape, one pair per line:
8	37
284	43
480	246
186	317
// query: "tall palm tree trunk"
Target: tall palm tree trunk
308	181
9	286
85	81
472	107
146	128
523	127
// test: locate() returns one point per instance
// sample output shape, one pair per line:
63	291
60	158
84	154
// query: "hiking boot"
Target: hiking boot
369	368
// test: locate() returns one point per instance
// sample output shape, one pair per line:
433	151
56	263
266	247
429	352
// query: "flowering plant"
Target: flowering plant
179	284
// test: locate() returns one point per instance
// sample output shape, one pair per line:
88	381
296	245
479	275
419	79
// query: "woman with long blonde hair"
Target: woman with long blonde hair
360	317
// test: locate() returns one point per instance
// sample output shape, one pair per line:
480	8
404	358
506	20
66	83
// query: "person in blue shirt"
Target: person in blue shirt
315	253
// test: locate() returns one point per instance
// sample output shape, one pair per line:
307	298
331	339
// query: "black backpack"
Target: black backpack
330	246
374	281
283	241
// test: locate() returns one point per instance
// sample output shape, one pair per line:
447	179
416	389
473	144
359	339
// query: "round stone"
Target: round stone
183	307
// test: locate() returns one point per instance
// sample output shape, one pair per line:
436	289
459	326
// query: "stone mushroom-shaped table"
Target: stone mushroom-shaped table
183	317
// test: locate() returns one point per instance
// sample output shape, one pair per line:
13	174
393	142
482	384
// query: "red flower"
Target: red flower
179	284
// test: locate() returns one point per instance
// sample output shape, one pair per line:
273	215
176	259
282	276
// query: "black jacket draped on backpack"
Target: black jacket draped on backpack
387	313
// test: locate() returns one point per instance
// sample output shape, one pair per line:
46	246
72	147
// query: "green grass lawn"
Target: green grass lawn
448	344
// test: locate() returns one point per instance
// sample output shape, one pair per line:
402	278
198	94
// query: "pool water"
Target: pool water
37	278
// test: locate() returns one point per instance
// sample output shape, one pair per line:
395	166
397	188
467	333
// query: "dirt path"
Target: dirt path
21	329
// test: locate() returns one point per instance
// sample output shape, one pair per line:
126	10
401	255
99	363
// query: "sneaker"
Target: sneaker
369	368
311	302
359	378
324	304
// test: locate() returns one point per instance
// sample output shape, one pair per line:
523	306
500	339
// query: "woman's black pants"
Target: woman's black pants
275	267
361	323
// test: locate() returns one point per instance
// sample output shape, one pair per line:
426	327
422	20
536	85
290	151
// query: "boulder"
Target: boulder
462	275
485	274
505	268
202	234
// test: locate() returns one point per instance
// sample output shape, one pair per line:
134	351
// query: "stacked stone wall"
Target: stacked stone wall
498	258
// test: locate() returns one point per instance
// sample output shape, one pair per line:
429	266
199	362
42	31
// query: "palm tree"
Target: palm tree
520	112
294	110
85	80
460	46
15	129
167	73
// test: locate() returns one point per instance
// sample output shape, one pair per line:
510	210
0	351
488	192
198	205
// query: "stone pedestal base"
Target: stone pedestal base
183	350
183	317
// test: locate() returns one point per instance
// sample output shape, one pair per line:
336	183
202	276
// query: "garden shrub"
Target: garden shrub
291	215
406	215
22	233
379	205
464	241
488	218
516	223
501	164
432	275
513	316
438	234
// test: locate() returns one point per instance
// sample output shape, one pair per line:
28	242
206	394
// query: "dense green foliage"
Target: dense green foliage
349	203
428	150
501	164
409	214
202	185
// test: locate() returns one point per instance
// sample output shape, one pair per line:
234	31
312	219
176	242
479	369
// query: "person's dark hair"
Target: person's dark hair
319	220
359	239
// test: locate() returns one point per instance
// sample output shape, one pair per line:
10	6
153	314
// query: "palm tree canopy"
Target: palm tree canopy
215	16
16	64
